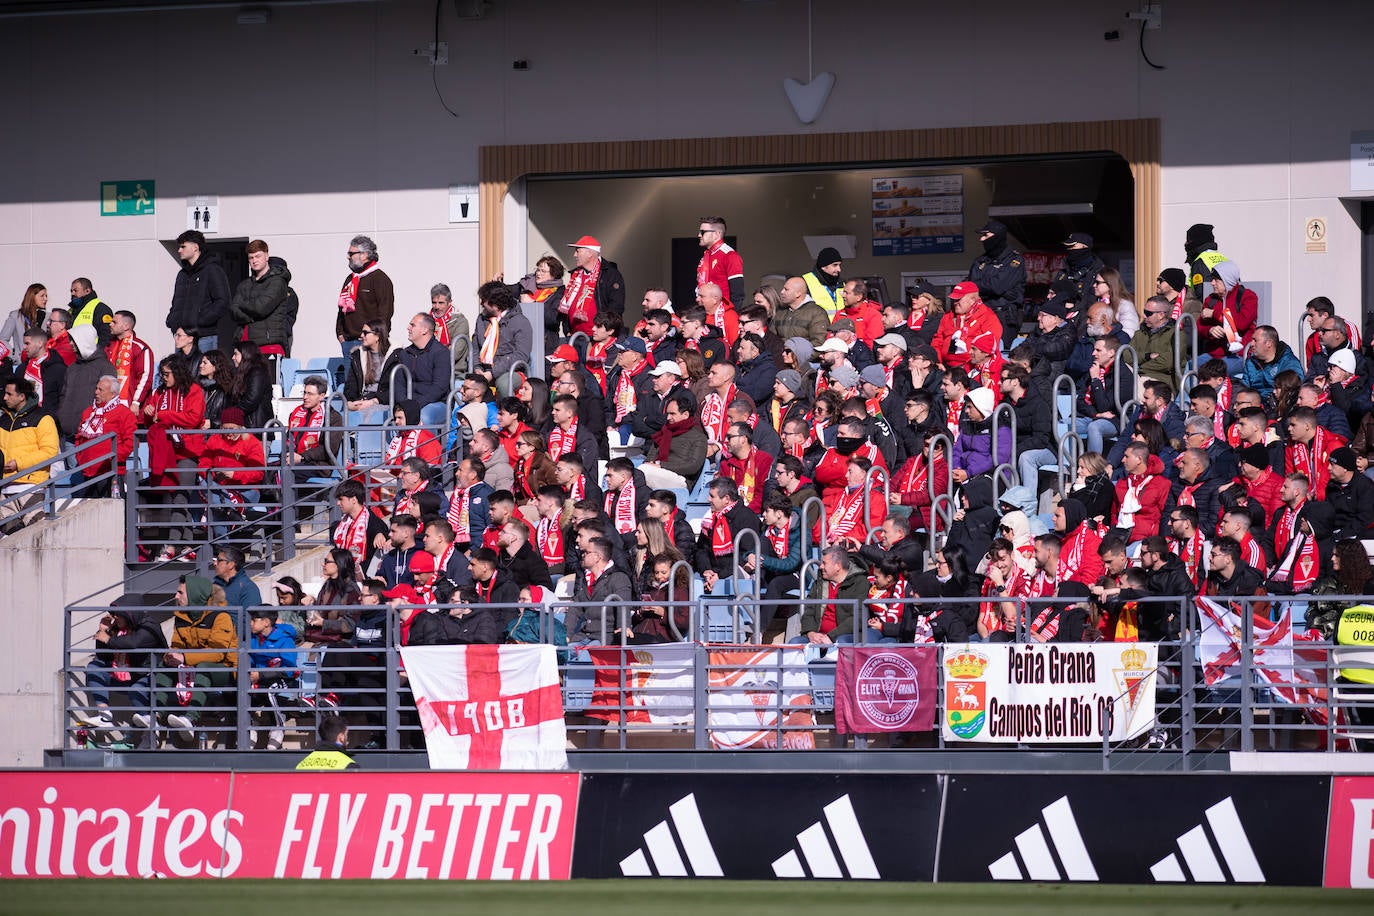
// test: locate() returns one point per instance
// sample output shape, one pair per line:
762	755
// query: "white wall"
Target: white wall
322	124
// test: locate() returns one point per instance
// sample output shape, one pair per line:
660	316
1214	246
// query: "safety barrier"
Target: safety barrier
1182	360
67	477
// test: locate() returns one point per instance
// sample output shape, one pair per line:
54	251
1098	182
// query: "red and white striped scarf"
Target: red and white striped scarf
1300	565
348	297
1071	557
578	490
441	324
441	561
917	318
626	399
460	516
1310	459
1178	306
484	589
886	603
306	425
549	536
952	416
620	506
581	286
406	505
1224	395
916	477
847	518
713	416
33	371
1286	528
562	442
402	446
94	423
490	340
351	535
596	360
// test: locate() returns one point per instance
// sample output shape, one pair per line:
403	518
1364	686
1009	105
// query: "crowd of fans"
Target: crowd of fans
1238	470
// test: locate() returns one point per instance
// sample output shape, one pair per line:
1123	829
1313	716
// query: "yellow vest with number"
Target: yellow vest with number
831	302
87	313
326	760
1210	259
1356	628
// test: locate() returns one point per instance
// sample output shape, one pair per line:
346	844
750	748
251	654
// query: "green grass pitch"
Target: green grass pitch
659	898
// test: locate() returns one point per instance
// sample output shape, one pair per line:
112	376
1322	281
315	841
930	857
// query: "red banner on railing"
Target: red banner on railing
502	826
885	689
1350	833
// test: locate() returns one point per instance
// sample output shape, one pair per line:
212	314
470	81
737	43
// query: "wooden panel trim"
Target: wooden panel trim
1135	140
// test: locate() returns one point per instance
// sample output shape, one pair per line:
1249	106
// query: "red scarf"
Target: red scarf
596	359
713	416
563	442
1286	528
1190	552
1311	460
777	537
348	297
886	603
459	517
722	538
620	506
664	437
401	447
406	505
1300	565
441	324
33	371
847	518
1071	557
952	416
668	525
1224	393
578	490
625	396
94	422
351	535
549	537
916	319
1178	307
578	294
441	561
302	422
484	588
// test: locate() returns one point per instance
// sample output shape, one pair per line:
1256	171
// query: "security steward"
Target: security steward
329	753
1356	628
1000	273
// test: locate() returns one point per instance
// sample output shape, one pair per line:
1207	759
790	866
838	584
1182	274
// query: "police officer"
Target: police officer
1000	273
329	752
1080	267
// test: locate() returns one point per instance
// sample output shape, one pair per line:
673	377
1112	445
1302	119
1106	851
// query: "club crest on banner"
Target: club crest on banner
966	698
1130	678
888	690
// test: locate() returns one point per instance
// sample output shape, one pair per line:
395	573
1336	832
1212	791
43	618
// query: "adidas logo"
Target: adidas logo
1199	851
665	851
816	847
1035	850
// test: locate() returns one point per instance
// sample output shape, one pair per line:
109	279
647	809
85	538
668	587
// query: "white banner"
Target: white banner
489	707
654	683
1048	693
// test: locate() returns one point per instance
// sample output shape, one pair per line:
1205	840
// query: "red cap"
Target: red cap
963	289
586	241
422	561
407	594
563	353
986	341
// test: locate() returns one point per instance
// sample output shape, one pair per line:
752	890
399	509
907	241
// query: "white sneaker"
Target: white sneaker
182	725
141	719
96	718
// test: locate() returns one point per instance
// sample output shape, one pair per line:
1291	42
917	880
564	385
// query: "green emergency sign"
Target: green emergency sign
127	198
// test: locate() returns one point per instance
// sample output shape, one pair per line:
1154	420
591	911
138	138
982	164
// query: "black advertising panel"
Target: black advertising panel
757	826
1127	828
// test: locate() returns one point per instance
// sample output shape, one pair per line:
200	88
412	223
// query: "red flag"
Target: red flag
885	689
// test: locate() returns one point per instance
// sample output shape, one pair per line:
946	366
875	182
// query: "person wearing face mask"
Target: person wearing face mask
850	442
1000	272
1200	249
1081	266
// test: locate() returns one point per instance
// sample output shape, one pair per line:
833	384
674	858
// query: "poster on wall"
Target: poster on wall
918	215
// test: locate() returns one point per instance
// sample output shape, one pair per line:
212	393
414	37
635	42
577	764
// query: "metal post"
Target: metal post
242	681
1005	471
700	696
393	680
1003	407
510	375
868	491
1180	360
1073	400
1070	449
736	630
1247	673
1300	351
391	387
941	508
1121	352
132	472
931	443
820	521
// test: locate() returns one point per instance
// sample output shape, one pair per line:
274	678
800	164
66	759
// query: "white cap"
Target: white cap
667	367
833	345
982	398
1345	358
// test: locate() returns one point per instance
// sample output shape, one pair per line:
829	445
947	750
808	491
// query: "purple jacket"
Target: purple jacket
972	449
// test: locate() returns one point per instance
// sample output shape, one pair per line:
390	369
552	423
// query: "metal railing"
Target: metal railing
1182	360
66	478
1214	691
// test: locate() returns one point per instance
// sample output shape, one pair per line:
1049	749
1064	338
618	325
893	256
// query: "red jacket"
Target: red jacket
1245	311
1265	491
952	350
913	490
831	470
120	421
221	454
867	318
736	468
1319	451
1151	496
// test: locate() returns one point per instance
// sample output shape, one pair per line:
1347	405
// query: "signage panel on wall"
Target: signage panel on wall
918	214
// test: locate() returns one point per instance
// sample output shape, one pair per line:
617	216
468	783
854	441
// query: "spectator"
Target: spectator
1329	417
823	283
450	561
1154	343
1141	496
595	288
798	314
828	613
756	369
204	639
215	376
1100	322
185	348
1078	559
866	315
715	545
394	568
519	560
358	530
32	313
82	377
1351	495
1110	291
503	336
430	368
1347	391
367	384
367	294
467	508
1319	311
331	618
233	464
968	318
127	649
239	589
1228	316
177	406
1109	386
590	618
252	391
451	325
680	448
1268	357
1200	249
200	298
1189	543
1309	449
105	415
272	661
746	465
534	469
132	359
44	371
975	452
264	306
310	443
534	394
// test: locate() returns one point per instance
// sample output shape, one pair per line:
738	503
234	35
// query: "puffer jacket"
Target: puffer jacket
264	306
27	436
205	636
200	297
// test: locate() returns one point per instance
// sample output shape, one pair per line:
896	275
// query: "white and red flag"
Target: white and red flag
1293	673
489	707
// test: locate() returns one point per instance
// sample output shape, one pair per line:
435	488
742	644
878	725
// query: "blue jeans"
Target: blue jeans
348	346
1029	466
1094	432
208	342
224	512
98	687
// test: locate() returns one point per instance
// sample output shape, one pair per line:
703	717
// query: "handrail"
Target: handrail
1003	406
758	559
941	508
868	491
1185	399
510	376
1179	362
572	342
1127	420
821	520
1074	447
391	387
672	599
1300	351
1121	352
64	478
801	575
1006	470
931	442
1073	400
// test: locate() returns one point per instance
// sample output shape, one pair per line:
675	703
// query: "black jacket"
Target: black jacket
504	590
1034	422
1082	275
253	395
756	376
1054	348
216	399
266	306
526	567
200	298
908	551
589	612
648	416
738	518
431	372
1001	279
1353	505
137	646
1159	619
1205	499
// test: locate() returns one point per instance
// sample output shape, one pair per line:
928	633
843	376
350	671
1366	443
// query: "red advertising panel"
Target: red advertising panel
502	826
1350	833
